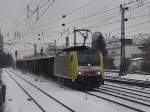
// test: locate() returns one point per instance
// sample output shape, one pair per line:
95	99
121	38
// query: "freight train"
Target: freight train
76	66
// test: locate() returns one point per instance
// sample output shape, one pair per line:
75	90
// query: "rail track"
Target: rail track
127	88
132	94
113	101
138	98
133	82
38	105
126	96
34	86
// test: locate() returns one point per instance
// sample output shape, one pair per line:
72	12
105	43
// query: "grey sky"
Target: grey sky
51	28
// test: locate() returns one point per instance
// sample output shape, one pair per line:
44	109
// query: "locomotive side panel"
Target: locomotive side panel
51	66
61	67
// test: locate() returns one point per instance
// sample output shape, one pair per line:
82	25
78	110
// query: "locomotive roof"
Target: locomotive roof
36	58
78	48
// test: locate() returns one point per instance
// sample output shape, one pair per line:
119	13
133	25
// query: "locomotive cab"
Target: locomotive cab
86	68
81	65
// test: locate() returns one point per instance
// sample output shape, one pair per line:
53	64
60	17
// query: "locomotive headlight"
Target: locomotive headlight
79	73
98	73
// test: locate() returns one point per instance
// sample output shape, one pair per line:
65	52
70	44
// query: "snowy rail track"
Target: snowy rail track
109	97
35	87
132	98
126	88
42	109
141	95
113	101
114	77
134	82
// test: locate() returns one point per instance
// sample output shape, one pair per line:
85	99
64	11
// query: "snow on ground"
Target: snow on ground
129	76
42	99
126	102
16	99
137	77
78	101
111	74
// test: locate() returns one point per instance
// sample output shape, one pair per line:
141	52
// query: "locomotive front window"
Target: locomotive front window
85	58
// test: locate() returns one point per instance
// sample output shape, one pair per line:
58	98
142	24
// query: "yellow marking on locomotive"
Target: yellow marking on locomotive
101	65
73	65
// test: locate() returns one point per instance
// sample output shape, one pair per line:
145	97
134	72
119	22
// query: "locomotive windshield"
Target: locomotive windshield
85	58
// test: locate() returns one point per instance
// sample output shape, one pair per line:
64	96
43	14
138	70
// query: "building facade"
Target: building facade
133	49
1	43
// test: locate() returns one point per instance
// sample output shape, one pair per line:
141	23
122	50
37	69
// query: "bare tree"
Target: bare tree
146	55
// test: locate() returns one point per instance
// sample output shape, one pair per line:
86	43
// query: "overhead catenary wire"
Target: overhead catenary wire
30	25
21	22
87	17
113	22
39	18
41	14
80	19
21	13
99	22
132	26
135	17
6	16
71	12
67	23
76	20
134	7
93	26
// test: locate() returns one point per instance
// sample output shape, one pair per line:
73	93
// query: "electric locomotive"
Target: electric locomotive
82	65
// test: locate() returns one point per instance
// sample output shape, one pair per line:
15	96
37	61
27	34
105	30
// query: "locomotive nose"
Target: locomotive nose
89	73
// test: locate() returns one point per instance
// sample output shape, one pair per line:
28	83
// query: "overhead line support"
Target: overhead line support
122	52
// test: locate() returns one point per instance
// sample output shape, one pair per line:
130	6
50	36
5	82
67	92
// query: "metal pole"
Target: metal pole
35	49
122	58
67	41
74	37
55	45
